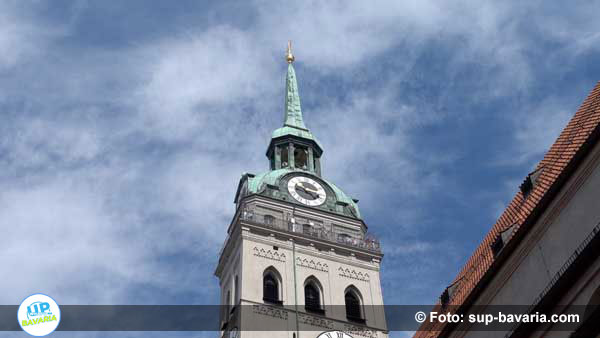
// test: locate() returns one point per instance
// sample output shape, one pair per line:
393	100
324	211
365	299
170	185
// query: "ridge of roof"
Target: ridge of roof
561	154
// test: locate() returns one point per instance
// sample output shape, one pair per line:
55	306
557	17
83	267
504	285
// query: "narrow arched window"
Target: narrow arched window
353	306
284	156
312	298
300	157
272	292
313	295
270	288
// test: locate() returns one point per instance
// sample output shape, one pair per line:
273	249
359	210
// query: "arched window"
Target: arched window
353	305
313	295
271	286
300	157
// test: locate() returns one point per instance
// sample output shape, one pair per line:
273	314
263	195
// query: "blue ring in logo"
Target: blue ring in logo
57	307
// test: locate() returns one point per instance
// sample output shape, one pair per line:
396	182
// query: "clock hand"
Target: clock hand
308	191
312	191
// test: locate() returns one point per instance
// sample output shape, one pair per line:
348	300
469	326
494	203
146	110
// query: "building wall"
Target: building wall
580	294
565	224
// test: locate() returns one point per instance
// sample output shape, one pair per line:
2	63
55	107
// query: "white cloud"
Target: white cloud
57	237
367	135
195	76
36	143
536	129
340	34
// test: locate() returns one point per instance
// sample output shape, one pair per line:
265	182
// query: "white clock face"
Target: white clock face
307	191
334	334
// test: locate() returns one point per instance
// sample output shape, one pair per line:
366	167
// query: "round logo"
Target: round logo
38	315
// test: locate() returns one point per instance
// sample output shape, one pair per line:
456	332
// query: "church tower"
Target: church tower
297	260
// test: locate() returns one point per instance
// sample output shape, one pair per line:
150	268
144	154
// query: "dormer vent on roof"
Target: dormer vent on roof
445	298
530	182
452	288
501	240
497	246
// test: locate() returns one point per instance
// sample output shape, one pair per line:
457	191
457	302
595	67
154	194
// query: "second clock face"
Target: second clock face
307	191
334	334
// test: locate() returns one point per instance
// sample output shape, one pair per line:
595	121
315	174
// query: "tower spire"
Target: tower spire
293	146
293	111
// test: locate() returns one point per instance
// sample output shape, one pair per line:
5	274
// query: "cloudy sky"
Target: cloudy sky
125	127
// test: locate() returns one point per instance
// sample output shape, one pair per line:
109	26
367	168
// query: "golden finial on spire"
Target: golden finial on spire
288	55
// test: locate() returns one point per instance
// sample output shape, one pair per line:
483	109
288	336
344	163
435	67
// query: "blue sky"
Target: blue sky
125	127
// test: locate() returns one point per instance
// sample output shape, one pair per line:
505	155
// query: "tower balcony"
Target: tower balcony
292	225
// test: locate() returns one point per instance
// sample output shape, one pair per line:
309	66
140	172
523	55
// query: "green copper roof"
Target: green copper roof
258	183
293	123
296	132
293	111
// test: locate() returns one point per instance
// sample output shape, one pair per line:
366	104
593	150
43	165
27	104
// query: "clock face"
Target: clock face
334	334
307	191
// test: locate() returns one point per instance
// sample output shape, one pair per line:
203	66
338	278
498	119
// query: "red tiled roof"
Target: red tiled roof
521	208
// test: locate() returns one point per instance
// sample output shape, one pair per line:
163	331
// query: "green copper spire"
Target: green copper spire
293	111
293	124
293	146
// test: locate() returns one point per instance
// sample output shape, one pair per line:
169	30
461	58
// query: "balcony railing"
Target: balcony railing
369	242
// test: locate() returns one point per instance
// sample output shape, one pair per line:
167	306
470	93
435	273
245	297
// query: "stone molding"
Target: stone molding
312	264
315	321
269	254
269	311
359	331
352	274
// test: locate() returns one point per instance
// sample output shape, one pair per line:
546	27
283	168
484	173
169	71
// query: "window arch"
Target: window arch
313	295
272	286
353	300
